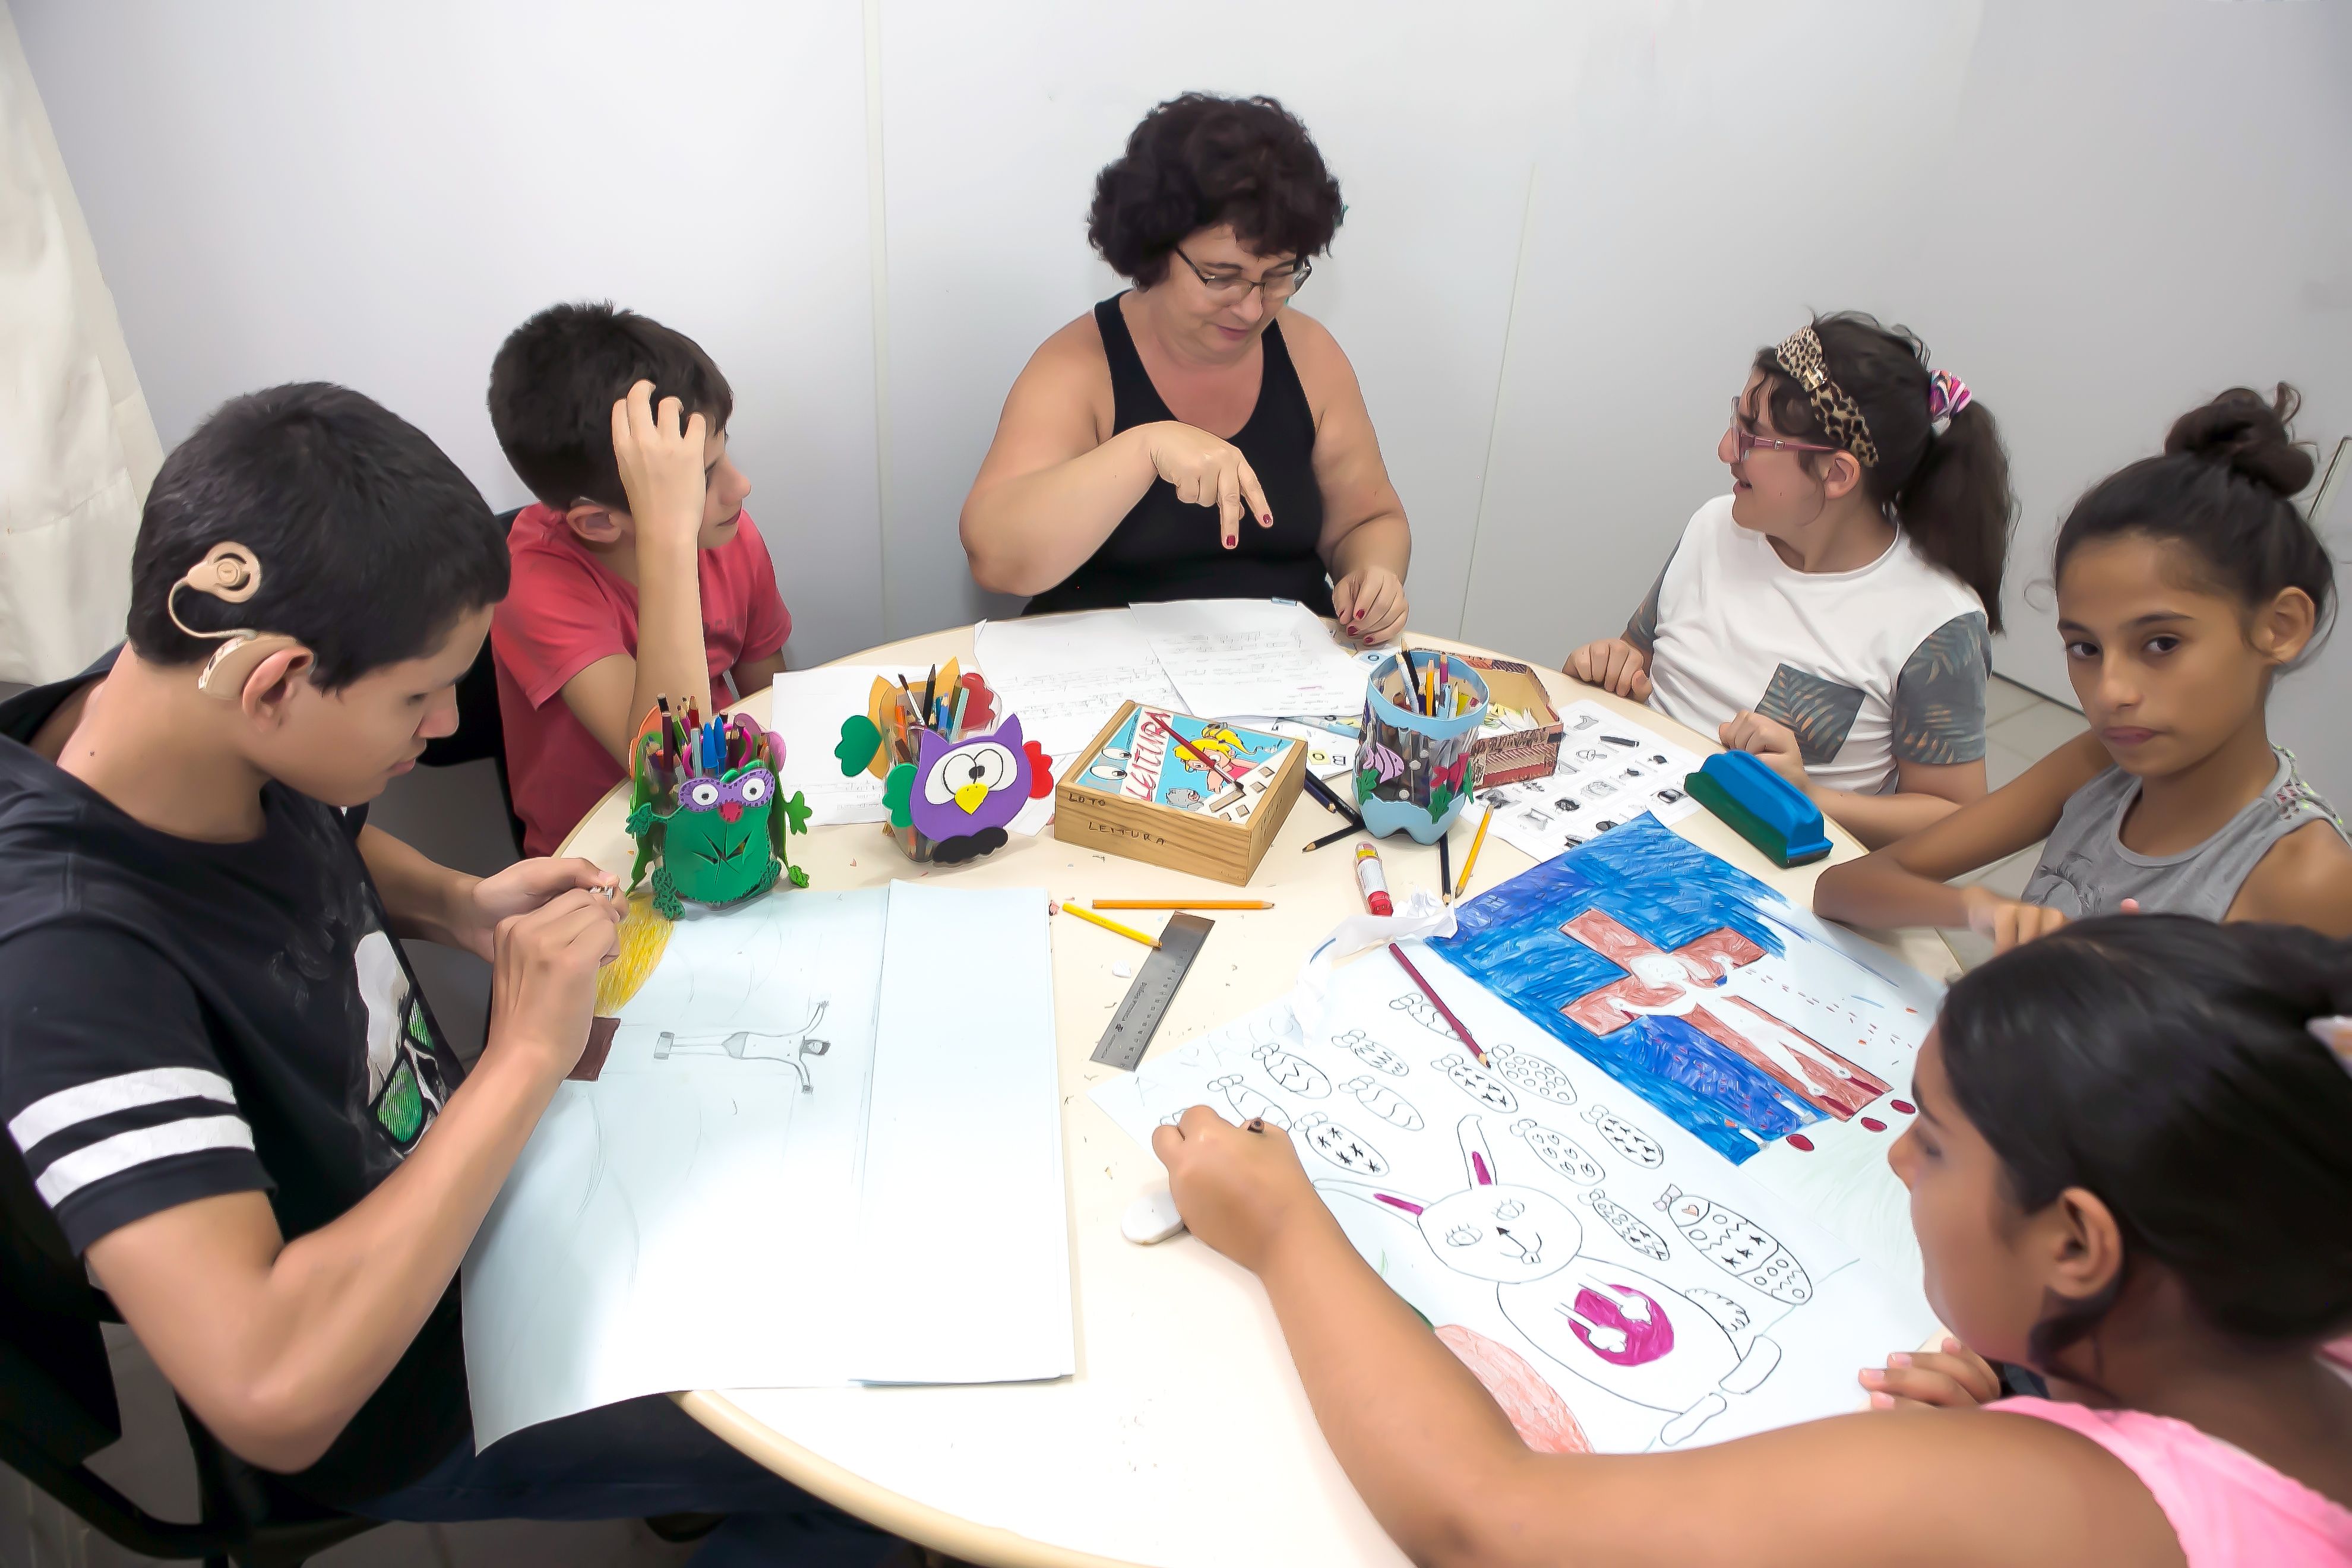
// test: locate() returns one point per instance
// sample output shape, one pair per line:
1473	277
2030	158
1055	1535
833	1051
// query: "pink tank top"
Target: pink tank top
2227	1507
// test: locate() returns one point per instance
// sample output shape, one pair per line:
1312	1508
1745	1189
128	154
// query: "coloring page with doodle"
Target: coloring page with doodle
1610	771
1617	1280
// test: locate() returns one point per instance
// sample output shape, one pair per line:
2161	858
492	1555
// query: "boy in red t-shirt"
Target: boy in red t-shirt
638	574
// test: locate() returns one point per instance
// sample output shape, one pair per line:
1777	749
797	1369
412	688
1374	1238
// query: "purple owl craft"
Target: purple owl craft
955	797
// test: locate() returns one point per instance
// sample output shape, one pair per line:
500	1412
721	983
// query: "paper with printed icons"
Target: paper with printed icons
760	1119
1611	772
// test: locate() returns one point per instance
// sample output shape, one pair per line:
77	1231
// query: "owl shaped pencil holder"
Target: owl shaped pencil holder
704	810
954	774
1421	713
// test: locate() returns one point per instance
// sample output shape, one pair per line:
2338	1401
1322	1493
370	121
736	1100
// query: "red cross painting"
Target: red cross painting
1682	983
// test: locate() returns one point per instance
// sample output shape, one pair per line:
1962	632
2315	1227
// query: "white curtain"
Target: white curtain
77	447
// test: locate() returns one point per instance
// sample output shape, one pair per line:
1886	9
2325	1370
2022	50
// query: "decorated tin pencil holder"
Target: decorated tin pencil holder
1412	772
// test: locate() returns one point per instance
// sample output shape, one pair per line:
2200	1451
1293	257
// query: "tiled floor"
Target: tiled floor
152	1466
2021	727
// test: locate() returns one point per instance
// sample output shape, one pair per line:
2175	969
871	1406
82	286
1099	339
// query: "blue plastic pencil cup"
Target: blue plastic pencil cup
1412	773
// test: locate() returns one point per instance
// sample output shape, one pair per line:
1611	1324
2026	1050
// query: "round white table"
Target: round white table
1184	1440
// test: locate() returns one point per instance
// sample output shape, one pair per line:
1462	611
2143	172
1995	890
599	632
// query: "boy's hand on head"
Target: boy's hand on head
1954	1378
2007	922
660	460
1369	603
1613	664
522	888
544	977
1239	1189
1772	742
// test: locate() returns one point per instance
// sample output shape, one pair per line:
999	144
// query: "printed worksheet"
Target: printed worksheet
1611	772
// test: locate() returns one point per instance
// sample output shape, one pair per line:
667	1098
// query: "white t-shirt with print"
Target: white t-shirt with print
1883	663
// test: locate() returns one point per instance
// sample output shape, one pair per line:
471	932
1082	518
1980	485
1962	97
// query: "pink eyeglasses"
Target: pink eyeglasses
1743	443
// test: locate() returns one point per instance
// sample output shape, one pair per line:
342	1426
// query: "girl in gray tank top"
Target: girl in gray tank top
2186	584
2087	869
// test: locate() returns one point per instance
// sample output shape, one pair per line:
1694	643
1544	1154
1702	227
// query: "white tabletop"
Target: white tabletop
1184	1441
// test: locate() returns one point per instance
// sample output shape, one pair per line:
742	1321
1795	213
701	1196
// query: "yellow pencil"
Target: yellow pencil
1462	883
1182	903
1071	909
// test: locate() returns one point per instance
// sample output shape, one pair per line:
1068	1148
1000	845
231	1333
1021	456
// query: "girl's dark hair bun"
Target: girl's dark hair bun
2247	434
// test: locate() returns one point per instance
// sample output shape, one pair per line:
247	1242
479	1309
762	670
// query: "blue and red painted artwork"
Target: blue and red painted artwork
1627	949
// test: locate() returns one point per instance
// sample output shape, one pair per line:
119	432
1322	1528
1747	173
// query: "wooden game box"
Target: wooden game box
1089	810
1514	755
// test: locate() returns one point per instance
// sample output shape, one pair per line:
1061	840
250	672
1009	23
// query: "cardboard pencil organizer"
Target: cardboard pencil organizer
1501	755
953	776
1134	792
1412	770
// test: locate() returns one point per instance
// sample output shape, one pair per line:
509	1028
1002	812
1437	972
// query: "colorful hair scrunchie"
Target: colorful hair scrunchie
1800	354
1946	396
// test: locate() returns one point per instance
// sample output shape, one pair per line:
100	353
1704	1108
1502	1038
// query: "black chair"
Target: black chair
481	732
58	1408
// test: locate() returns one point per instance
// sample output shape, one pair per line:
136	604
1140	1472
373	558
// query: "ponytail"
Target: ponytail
1950	491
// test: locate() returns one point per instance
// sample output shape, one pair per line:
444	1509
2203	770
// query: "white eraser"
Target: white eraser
1151	1218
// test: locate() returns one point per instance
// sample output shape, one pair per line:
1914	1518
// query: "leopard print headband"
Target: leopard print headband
1800	354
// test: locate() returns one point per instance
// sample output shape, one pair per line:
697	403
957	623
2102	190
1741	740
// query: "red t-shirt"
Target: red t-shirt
564	612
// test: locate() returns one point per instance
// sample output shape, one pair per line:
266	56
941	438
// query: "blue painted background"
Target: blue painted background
1660	886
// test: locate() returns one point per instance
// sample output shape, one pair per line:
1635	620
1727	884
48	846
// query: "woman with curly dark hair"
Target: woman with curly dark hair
1198	387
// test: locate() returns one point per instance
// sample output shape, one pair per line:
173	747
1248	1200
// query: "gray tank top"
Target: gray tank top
2085	869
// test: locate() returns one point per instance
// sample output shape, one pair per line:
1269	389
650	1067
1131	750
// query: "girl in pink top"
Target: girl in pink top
2129	1171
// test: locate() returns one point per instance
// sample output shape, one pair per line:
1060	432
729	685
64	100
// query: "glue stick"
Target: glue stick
1370	877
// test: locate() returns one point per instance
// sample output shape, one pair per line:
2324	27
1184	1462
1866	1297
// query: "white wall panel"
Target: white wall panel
377	195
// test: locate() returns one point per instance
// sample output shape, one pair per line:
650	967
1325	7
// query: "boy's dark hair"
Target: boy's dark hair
2221	490
1199	161
556	378
1950	492
2165	1064
372	542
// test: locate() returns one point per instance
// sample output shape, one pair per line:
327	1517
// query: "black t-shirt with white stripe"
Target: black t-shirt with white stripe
186	1019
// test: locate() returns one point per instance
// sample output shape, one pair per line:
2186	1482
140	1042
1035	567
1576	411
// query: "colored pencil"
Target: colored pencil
1181	904
963	696
1436	1001
931	689
1445	866
1332	837
1329	798
1071	909
1470	861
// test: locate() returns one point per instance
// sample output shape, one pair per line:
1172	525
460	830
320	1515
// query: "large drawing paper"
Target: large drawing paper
1783	1043
964	1258
806	707
663	1226
1611	772
694	1219
1618	1283
1233	657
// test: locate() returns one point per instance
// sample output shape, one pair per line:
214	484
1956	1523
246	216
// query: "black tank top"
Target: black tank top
1167	549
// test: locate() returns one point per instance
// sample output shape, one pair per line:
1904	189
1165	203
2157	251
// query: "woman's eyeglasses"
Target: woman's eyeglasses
1231	288
1743	441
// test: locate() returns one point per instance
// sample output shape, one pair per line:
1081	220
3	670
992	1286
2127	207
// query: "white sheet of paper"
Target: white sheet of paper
1252	656
964	1265
1611	772
693	1218
805	707
1575	1196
